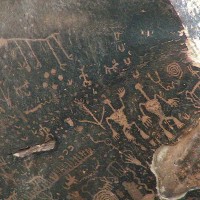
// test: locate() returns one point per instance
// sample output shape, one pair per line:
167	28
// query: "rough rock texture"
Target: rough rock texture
177	167
109	81
189	12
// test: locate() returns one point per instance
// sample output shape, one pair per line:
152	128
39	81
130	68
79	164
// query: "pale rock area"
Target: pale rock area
177	167
189	13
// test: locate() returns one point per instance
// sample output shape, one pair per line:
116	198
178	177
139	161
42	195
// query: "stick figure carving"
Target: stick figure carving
84	76
119	117
153	106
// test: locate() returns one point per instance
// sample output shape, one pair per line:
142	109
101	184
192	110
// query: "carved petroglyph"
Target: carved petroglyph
115	169
136	74
29	42
12	196
105	194
104	137
22	90
121	47
82	106
127	61
194	96
70	164
153	106
38	107
174	70
159	82
25	63
194	72
68	149
117	35
7	175
39	184
69	121
114	68
133	190
129	158
84	76
119	117
70	180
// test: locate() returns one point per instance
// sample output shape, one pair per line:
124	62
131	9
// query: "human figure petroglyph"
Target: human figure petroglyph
70	180
119	117
21	90
84	76
153	106
114	68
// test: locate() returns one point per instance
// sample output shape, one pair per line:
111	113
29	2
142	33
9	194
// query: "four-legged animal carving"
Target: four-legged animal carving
119	117
154	106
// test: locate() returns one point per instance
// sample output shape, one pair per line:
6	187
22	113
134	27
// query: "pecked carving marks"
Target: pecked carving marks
177	167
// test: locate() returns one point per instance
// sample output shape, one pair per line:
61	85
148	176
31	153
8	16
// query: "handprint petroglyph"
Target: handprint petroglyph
153	106
119	117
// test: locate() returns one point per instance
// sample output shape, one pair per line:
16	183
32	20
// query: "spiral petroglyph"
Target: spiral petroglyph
105	195
174	70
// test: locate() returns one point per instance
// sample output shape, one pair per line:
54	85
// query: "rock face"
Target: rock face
177	167
89	89
189	12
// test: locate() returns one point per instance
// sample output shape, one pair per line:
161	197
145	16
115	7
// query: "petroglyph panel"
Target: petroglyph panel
89	90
